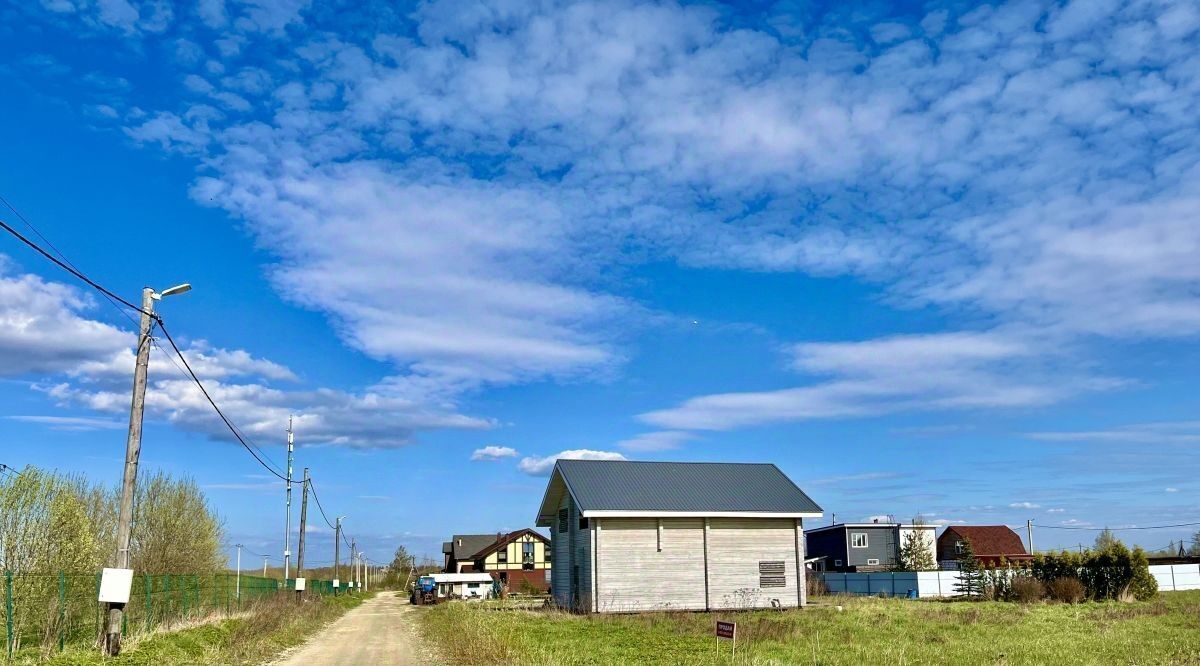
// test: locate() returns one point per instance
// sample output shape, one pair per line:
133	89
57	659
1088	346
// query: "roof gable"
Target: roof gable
674	487
509	538
464	546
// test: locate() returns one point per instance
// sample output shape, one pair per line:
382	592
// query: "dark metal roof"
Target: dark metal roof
465	546
623	485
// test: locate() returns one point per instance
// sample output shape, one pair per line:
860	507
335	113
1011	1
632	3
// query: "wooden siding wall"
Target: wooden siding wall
634	575
560	584
735	548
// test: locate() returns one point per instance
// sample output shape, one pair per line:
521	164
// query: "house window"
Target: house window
502	555
771	574
872	562
958	548
858	539
583	523
527	552
837	563
564	521
548	554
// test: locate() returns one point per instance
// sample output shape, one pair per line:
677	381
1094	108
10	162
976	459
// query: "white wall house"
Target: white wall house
463	585
638	536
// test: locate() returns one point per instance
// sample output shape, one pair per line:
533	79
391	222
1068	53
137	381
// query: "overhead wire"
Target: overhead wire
64	263
1115	529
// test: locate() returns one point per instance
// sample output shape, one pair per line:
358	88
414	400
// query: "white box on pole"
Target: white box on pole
115	585
300	584
336	583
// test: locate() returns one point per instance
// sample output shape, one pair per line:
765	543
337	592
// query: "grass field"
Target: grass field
254	637
867	631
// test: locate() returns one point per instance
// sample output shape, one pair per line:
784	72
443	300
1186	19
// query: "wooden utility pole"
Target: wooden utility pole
133	450
303	524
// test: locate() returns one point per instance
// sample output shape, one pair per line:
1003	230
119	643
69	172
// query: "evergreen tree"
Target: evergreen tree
1106	539
970	574
914	552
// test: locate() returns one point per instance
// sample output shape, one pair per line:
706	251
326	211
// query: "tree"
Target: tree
1106	539
914	552
1194	549
399	569
970	574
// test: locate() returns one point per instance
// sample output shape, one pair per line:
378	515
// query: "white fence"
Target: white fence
932	584
1176	577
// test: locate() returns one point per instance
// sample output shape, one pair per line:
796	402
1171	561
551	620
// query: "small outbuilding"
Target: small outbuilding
638	536
462	585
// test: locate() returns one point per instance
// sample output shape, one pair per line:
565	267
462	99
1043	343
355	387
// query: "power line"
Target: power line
60	253
208	397
313	488
1115	529
71	269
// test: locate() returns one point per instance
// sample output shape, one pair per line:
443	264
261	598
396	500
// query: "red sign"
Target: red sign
726	629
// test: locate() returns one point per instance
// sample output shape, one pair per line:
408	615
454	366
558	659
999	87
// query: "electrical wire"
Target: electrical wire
60	253
70	269
324	517
241	440
1115	529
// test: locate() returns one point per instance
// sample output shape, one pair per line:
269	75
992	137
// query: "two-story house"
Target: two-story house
850	547
520	560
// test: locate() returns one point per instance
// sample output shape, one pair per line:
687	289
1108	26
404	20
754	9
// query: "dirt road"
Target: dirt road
381	631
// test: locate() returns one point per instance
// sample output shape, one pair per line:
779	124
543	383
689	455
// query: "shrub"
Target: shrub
1026	589
1067	589
1143	587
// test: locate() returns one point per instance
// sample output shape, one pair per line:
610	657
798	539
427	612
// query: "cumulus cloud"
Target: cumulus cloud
493	453
535	466
452	194
1024	505
88	363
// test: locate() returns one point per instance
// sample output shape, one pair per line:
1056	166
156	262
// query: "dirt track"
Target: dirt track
381	631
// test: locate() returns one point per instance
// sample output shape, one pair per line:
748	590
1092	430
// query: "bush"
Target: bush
1026	589
1067	590
1143	587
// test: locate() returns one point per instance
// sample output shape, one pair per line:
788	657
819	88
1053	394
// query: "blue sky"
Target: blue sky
935	258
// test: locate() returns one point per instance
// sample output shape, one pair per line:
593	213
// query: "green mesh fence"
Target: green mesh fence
51	610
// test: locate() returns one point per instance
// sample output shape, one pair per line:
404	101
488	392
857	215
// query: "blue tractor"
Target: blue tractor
424	592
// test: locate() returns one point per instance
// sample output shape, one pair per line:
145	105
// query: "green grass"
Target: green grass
257	636
868	631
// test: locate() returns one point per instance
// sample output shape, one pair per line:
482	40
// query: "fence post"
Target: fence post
62	610
8	612
148	585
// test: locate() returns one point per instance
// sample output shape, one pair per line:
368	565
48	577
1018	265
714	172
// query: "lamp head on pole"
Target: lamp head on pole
177	289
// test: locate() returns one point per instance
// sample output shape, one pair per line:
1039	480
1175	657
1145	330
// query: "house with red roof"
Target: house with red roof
990	542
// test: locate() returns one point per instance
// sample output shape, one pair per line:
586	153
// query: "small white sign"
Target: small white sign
115	585
299	584
336	583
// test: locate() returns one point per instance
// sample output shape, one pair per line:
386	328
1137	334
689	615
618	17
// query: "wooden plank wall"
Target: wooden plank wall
634	575
735	548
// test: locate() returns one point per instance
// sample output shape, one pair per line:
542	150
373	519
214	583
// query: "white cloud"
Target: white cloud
664	440
913	372
947	521
853	478
1020	167
1170	490
43	327
493	453
1174	432
88	363
72	423
1024	505
535	466
1056	510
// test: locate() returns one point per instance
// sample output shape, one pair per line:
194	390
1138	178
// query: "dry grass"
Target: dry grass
1163	631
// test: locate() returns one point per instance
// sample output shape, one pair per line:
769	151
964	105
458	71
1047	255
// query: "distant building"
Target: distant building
520	560
875	546
991	544
462	585
638	536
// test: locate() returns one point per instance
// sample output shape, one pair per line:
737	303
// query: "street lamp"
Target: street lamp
133	450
